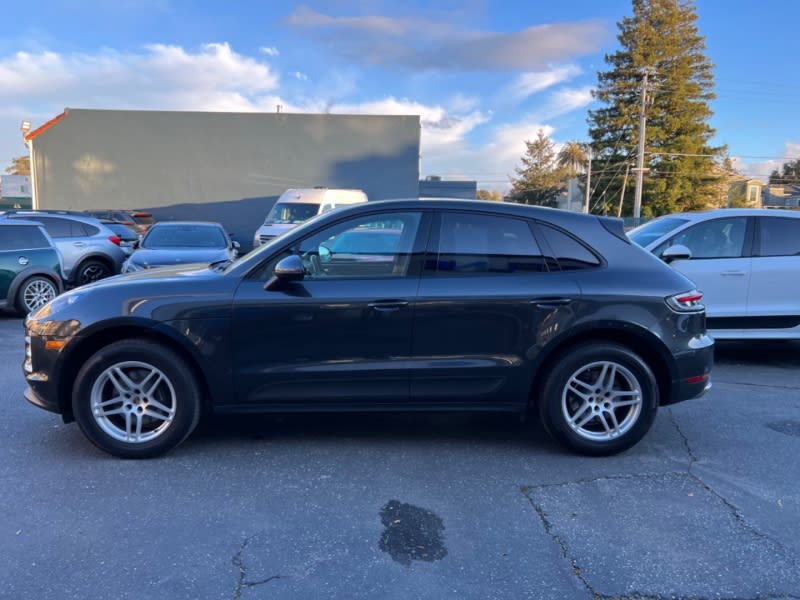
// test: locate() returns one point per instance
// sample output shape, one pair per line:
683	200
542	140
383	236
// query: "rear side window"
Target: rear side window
569	253
57	228
89	230
779	237
474	243
22	237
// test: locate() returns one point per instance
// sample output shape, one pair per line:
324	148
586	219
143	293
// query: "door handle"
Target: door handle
733	273
546	302
388	305
79	243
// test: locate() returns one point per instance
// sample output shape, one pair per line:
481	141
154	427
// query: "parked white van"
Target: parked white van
297	205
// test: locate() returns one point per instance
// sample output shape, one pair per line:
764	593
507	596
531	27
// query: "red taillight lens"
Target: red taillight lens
114	239
686	301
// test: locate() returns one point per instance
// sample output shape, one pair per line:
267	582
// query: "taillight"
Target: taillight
114	239
686	301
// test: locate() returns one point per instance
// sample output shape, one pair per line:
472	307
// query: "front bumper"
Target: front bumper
37	400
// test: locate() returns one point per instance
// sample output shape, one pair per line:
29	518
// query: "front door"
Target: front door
341	336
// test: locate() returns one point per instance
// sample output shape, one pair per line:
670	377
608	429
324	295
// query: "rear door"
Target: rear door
774	283
486	299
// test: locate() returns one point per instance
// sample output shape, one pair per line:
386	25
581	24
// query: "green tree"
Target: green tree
790	174
490	195
662	39
20	165
540	179
573	157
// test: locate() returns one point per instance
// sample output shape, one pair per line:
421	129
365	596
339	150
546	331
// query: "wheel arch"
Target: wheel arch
107	261
32	271
85	346
647	345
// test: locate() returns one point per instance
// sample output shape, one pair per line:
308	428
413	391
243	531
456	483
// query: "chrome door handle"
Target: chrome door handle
388	305
733	273
545	302
81	244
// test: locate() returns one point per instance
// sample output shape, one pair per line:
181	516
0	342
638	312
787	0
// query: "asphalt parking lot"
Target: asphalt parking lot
410	506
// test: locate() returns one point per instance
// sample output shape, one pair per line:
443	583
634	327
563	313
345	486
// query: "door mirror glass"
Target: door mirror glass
288	269
676	252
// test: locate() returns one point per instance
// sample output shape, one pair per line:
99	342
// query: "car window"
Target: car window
650	232
779	236
187	235
22	237
716	238
570	254
367	246
57	228
476	243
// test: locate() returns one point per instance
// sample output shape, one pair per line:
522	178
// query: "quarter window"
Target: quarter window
779	237
476	243
569	253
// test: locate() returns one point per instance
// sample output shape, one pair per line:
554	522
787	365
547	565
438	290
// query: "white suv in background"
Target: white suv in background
297	205
745	261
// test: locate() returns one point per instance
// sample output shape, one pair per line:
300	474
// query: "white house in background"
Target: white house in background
15	191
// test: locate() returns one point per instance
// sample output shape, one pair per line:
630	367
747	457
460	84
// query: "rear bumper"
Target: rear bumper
692	370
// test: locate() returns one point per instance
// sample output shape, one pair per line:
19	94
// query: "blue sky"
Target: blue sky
484	75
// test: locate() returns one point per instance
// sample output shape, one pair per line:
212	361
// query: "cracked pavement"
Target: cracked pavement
707	506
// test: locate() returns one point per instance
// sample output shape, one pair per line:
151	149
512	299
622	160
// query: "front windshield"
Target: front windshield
650	232
180	235
291	212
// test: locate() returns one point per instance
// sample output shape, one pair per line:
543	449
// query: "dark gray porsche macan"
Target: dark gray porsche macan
428	305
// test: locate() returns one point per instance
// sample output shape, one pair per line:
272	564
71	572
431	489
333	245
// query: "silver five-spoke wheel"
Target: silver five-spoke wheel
598	398
133	402
601	401
137	398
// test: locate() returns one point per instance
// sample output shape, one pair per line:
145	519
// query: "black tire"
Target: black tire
34	293
166	408
599	399
90	271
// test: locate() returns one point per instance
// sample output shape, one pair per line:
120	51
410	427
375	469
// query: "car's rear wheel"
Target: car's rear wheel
92	270
136	399
599	399
34	293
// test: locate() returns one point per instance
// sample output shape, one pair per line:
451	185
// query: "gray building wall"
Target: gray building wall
226	167
438	188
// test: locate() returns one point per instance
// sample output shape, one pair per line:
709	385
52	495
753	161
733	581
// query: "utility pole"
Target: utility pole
637	199
622	195
588	181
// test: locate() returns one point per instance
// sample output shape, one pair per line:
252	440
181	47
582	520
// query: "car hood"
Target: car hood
159	258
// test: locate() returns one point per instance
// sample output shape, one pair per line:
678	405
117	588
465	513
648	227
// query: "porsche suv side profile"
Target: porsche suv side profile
434	305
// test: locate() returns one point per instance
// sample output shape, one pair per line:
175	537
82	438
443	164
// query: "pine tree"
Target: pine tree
789	175
661	37
540	179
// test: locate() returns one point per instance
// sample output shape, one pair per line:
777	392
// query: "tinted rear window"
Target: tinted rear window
569	253
779	237
22	237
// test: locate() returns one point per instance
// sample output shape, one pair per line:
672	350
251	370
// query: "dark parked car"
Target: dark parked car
128	238
484	306
138	220
181	242
30	266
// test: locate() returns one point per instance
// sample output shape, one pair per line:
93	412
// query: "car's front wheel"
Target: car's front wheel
34	293
599	399
136	399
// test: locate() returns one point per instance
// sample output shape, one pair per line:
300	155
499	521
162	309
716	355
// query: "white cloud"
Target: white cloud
269	50
533	82
300	76
762	169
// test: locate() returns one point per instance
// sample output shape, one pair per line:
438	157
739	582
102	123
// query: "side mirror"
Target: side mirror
676	252
236	245
288	269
